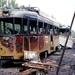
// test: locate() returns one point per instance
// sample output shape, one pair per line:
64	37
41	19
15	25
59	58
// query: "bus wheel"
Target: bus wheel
40	73
58	48
46	54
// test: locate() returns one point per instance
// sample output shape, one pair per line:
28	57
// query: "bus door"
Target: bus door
51	37
51	42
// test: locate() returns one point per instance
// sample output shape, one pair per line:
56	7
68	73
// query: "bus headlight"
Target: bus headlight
31	55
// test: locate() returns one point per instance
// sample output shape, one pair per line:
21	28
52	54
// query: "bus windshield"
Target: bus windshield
9	26
17	26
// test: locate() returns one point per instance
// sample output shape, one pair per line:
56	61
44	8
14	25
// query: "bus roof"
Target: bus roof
21	13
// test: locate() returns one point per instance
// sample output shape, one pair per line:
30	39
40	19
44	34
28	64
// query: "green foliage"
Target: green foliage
9	28
11	3
2	4
73	33
7	3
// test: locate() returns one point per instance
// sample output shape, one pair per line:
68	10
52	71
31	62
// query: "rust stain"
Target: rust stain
41	42
0	13
34	42
19	43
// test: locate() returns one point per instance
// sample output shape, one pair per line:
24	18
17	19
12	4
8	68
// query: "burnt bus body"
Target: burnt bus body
25	34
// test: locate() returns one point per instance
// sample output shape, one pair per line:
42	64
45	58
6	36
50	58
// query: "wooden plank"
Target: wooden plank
43	66
28	71
38	66
35	67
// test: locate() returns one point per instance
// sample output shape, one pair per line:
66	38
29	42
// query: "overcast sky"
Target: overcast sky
62	10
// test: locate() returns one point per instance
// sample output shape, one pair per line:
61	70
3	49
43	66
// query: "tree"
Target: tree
12	4
7	3
2	4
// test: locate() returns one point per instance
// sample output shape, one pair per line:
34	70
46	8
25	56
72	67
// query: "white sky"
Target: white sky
62	10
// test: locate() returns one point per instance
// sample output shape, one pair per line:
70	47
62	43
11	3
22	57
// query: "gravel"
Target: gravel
68	63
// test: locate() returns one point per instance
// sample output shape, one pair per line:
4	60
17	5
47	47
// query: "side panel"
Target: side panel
7	45
11	46
47	44
34	43
19	43
56	41
41	42
26	43
44	43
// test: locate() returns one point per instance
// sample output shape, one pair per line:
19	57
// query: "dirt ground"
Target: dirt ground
68	63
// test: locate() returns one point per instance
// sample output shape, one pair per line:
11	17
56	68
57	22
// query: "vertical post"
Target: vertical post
28	29
58	31
4	27
53	29
21	26
0	28
43	28
13	25
47	29
37	26
65	46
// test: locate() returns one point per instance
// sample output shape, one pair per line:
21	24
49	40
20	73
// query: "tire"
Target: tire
46	54
58	48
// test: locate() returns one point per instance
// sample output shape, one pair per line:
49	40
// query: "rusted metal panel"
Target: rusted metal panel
0	13
41	42
19	43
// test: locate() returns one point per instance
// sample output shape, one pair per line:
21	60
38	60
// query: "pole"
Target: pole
65	46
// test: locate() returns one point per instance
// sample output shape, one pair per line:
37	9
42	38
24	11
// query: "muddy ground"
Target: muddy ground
68	63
